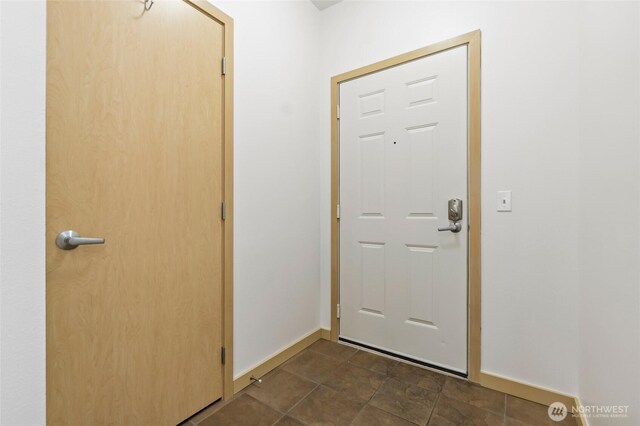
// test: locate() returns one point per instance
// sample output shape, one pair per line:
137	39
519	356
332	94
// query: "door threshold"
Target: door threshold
404	358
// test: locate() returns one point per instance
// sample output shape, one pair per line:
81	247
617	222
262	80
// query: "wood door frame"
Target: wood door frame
227	288
227	266
472	41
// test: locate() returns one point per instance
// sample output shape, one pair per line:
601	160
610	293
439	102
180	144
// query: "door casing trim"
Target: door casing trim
227	297
472	41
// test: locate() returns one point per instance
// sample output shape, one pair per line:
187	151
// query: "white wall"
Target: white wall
277	184
609	239
22	130
529	145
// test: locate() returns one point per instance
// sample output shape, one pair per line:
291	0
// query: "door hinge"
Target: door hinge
338	310
223	211
224	65
223	355
338	211
338	111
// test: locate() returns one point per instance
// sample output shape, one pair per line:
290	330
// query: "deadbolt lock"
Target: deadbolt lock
455	216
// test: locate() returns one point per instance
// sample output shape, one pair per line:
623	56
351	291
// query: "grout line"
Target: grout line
504	417
267	405
300	402
374	394
370	398
386	379
279	418
352	355
434	407
285	413
358	413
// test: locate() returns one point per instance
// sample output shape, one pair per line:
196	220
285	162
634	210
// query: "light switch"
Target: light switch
504	201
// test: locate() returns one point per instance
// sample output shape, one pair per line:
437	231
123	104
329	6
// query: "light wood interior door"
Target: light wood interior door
135	156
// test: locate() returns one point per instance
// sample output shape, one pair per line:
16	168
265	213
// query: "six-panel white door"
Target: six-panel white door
403	155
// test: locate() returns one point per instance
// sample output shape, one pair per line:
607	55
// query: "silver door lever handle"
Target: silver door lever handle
454	227
68	240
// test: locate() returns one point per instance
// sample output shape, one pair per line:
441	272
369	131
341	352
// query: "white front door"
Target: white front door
403	155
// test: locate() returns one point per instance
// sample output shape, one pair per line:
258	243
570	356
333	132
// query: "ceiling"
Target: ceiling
323	4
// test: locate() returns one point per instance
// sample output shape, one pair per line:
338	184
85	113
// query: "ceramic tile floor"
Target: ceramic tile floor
335	384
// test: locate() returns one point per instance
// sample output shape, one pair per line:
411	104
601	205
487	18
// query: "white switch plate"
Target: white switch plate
504	201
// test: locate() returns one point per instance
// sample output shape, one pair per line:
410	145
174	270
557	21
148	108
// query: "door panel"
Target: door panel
134	155
403	155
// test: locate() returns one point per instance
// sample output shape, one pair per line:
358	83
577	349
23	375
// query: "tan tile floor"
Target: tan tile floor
335	384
